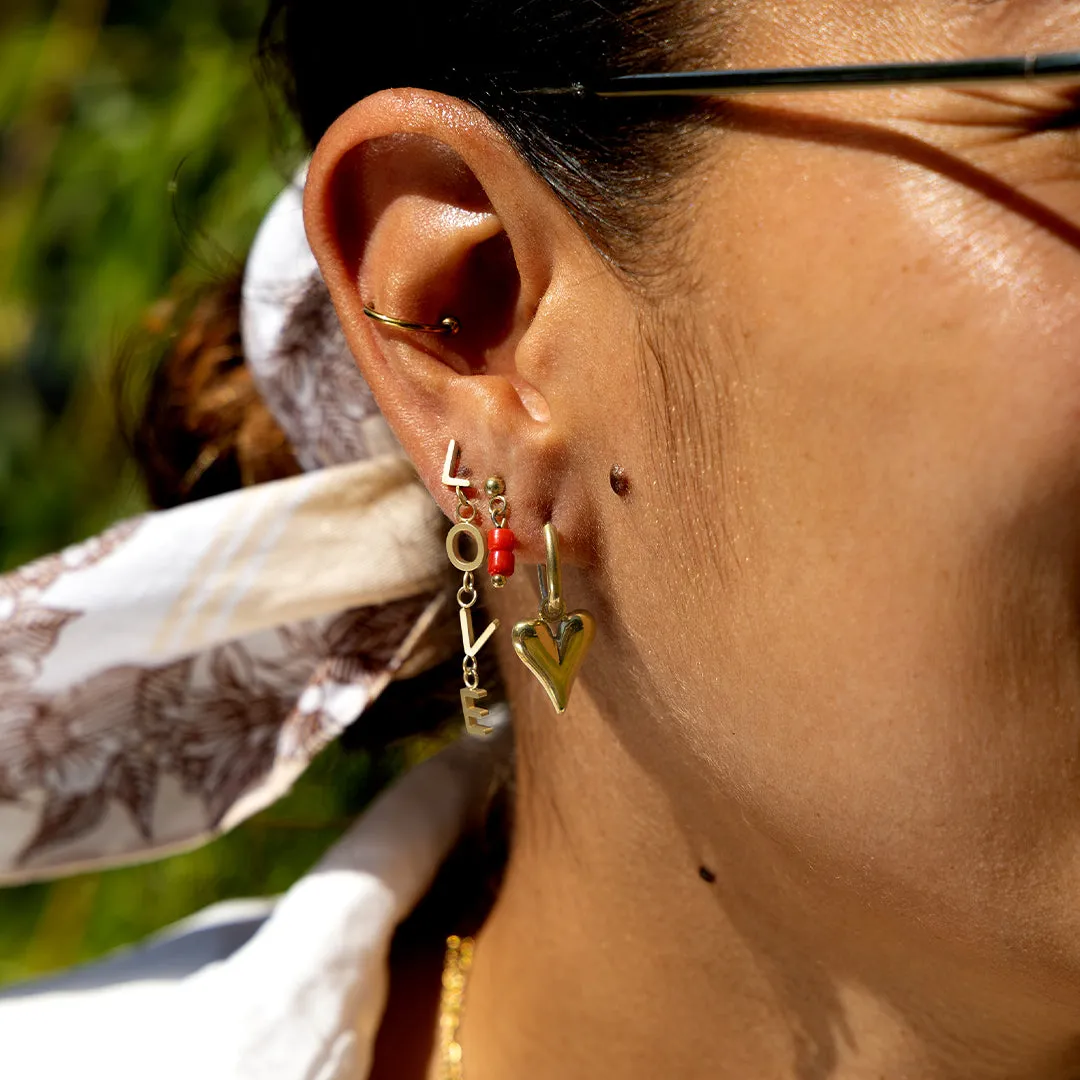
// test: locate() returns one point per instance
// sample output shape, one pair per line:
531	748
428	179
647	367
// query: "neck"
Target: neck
609	954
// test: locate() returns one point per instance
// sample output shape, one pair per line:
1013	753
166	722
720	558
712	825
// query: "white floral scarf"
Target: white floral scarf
162	682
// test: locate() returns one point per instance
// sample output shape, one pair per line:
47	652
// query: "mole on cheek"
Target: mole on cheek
620	482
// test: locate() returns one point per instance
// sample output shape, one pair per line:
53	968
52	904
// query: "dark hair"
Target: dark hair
203	428
610	163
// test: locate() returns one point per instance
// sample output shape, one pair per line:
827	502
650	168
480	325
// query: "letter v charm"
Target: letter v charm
469	643
474	714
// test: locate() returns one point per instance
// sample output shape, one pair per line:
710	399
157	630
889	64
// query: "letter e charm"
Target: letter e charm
472	713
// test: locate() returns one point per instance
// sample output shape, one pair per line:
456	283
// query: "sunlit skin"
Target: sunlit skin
838	657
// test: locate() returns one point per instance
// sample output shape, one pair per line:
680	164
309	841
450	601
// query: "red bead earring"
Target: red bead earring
500	540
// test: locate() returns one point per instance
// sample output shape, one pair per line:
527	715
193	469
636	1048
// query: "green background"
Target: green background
137	157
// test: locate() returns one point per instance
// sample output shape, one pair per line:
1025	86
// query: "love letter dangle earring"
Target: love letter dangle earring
553	645
468	564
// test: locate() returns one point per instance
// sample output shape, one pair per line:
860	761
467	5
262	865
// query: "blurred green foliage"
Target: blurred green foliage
136	150
136	157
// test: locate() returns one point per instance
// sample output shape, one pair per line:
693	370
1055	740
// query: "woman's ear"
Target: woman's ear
417	206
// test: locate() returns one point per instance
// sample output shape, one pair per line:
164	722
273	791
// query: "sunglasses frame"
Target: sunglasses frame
1064	65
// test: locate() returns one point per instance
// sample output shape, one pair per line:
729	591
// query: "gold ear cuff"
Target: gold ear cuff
448	325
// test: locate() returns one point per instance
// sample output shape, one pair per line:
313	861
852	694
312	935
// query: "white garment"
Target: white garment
302	999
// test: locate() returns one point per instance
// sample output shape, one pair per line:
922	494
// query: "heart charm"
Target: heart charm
555	658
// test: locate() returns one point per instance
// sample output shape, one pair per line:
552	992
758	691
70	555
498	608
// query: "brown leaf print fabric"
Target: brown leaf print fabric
135	758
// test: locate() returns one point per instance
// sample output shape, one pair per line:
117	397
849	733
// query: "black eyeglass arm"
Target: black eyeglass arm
695	83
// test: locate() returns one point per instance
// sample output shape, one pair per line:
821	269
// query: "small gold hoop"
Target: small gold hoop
465	509
448	325
470	594
453	549
498	511
552	606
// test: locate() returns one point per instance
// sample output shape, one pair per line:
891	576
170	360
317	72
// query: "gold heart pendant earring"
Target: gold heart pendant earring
554	645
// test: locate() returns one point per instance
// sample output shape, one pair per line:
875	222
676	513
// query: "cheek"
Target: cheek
893	608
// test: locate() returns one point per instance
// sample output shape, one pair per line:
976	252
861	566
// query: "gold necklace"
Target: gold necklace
459	955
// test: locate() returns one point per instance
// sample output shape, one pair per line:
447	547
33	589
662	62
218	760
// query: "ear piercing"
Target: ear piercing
553	645
448	325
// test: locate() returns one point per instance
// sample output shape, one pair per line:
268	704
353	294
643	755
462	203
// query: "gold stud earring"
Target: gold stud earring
468	564
553	645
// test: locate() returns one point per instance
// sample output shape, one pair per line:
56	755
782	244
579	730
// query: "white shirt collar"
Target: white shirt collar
304	997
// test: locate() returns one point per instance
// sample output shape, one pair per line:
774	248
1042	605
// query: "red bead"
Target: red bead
501	540
501	561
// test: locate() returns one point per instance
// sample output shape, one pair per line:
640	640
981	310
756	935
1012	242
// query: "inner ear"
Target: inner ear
395	166
420	240
490	304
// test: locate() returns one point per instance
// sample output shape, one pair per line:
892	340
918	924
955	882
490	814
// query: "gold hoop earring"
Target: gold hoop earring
448	325
553	645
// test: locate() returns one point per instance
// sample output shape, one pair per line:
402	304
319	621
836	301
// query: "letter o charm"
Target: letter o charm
453	548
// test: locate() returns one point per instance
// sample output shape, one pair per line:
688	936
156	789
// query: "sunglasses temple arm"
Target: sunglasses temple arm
697	83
